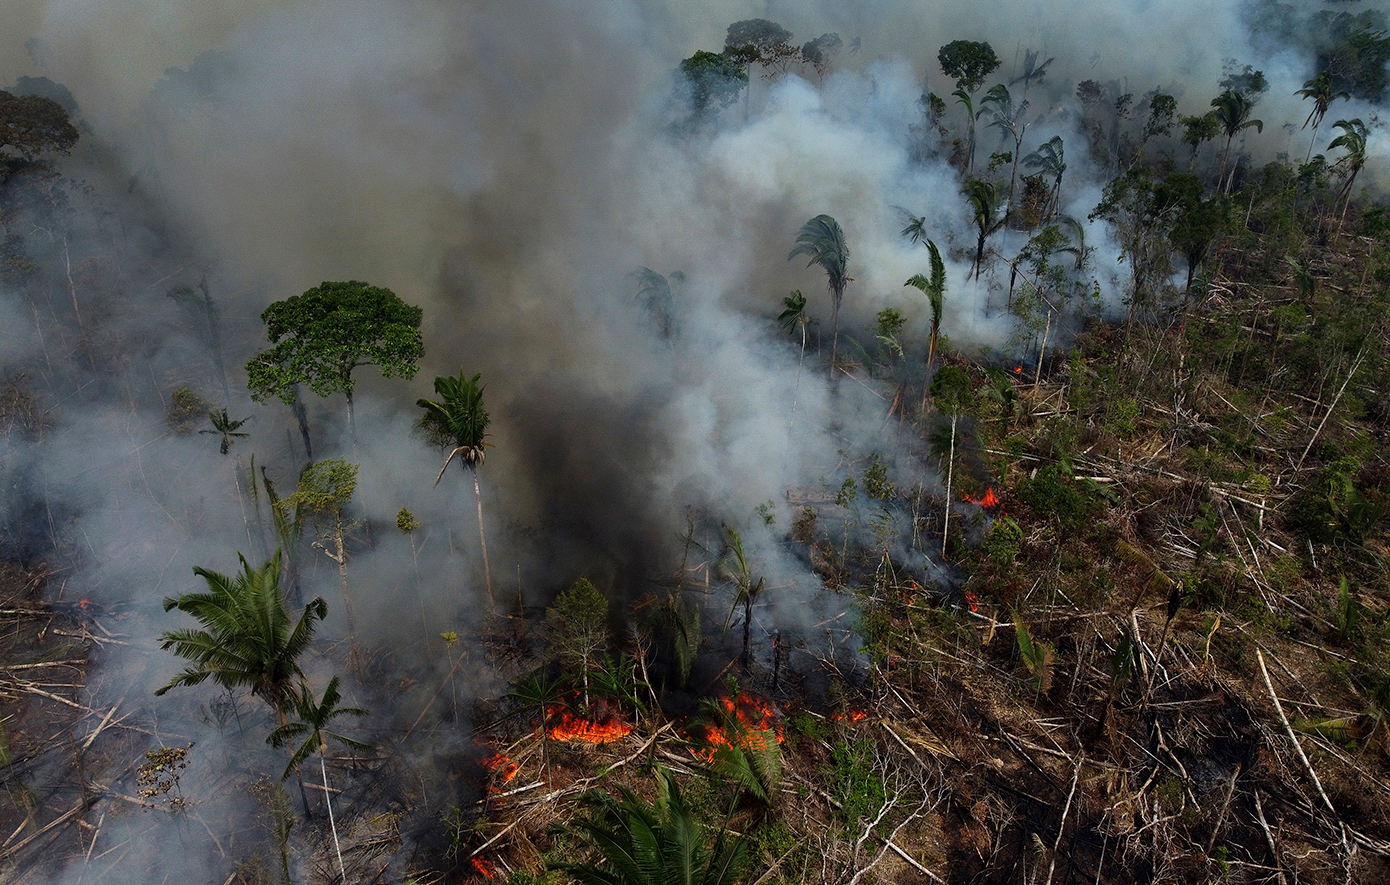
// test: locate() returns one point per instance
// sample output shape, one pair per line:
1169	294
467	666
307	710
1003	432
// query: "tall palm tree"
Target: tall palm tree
793	317
934	287
983	198
1321	91
1050	159
1007	117
314	718
246	640
1353	141
1232	110
664	842
971	115
458	418
823	241
746	591
223	425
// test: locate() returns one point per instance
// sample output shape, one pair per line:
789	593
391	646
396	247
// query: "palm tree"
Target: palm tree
793	317
934	287
823	241
1007	118
458	418
1032	70
246	638
971	115
1353	141
746	592
540	691
654	291
1233	115
223	425
659	843
983	198
1050	159
1321	91
314	718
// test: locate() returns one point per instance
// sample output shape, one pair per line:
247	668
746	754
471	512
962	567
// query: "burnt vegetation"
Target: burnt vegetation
1108	603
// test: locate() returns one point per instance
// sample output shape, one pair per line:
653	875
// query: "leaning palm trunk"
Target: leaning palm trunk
482	541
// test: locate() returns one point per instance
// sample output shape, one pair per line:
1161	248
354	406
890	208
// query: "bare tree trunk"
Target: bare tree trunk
797	392
332	824
482	540
950	470
341	559
352	426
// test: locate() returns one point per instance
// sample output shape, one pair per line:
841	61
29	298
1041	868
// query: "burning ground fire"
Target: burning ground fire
988	501
563	725
751	723
503	768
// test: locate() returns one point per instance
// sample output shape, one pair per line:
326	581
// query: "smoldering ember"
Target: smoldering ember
651	442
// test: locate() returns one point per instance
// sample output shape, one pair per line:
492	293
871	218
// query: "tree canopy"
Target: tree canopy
712	78
967	62
31	125
333	328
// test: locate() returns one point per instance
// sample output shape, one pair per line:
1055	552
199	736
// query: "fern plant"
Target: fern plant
1037	655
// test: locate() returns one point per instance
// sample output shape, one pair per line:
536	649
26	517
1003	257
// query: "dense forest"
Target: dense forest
444	443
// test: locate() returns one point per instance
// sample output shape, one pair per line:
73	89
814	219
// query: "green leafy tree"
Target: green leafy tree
968	63
225	427
663	842
1197	223
714	81
1233	116
1163	110
1323	93
314	718
458	419
246	640
1140	224
578	625
823	241
32	125
320	337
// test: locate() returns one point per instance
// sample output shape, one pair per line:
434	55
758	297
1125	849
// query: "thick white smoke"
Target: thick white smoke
507	166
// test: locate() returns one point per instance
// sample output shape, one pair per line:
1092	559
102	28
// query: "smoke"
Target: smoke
507	166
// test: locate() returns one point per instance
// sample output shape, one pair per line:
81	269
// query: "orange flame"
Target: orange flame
850	715
568	727
500	765
484	867
750	723
971	600
988	500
